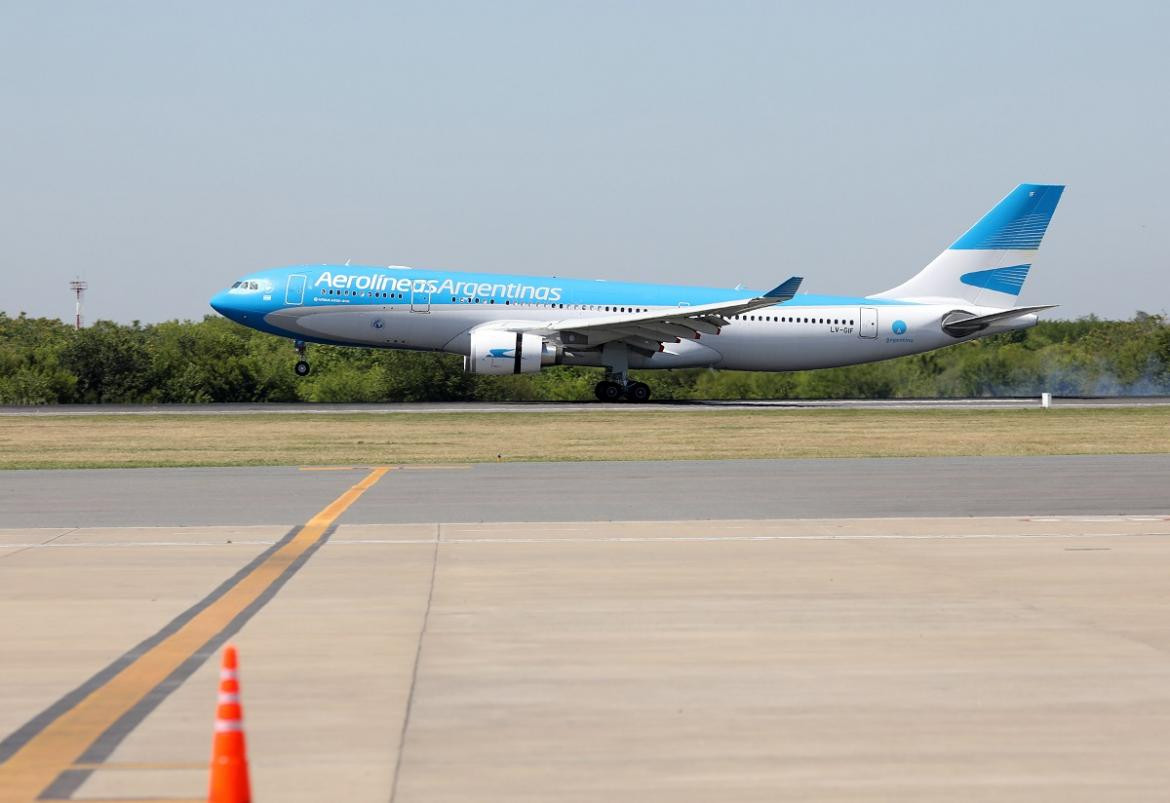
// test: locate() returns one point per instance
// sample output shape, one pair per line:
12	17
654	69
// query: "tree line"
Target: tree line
45	361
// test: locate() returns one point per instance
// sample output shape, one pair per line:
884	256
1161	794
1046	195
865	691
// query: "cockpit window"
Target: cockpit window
251	285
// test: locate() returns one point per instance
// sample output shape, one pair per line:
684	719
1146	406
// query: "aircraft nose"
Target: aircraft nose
221	303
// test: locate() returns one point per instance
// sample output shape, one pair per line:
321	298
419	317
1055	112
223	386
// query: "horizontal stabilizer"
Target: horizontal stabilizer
960	323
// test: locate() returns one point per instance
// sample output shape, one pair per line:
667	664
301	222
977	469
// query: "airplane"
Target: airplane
513	324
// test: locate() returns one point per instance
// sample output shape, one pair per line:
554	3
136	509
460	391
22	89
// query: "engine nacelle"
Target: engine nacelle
494	351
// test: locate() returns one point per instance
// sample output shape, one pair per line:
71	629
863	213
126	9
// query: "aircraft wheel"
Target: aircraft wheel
638	392
608	391
302	368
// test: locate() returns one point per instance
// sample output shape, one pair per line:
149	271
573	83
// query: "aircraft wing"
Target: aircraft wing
645	332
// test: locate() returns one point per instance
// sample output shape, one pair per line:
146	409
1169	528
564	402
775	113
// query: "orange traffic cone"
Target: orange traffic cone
229	763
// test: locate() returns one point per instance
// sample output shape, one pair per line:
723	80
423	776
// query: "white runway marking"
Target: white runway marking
111	544
1018	402
634	539
618	539
546	529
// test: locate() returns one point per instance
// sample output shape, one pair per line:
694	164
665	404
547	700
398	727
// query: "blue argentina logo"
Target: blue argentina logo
899	327
501	353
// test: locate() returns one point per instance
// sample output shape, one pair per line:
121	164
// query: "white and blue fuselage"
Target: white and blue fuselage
515	323
424	310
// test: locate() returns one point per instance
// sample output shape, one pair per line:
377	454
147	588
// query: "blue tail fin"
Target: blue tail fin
989	263
1017	223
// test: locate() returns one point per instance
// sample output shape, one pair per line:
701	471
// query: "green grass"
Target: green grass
378	439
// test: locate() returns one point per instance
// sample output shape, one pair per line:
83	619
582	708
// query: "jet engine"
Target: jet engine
494	351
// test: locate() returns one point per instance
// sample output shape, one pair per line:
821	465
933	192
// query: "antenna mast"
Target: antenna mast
78	287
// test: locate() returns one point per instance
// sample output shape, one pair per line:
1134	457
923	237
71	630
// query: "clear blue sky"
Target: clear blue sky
162	150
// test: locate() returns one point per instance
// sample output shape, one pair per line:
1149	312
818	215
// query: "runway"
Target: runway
597	491
738	630
1000	403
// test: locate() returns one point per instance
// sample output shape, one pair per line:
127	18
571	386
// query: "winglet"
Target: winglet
786	290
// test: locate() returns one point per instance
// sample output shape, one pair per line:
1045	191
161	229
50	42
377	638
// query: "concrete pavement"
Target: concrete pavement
596	491
1005	658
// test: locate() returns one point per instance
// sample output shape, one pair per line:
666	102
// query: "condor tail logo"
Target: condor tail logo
1002	280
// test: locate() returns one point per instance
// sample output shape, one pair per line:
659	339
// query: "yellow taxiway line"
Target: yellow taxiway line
30	770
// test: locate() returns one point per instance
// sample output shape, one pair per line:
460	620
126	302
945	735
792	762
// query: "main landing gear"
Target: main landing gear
607	391
302	366
614	391
610	391
617	384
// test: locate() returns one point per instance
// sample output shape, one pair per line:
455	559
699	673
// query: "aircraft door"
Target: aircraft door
420	300
868	321
294	291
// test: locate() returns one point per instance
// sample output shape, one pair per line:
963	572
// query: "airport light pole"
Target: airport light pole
78	287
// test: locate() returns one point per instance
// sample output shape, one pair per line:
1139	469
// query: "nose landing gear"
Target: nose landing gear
302	366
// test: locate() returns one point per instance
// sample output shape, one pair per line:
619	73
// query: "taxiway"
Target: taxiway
755	630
